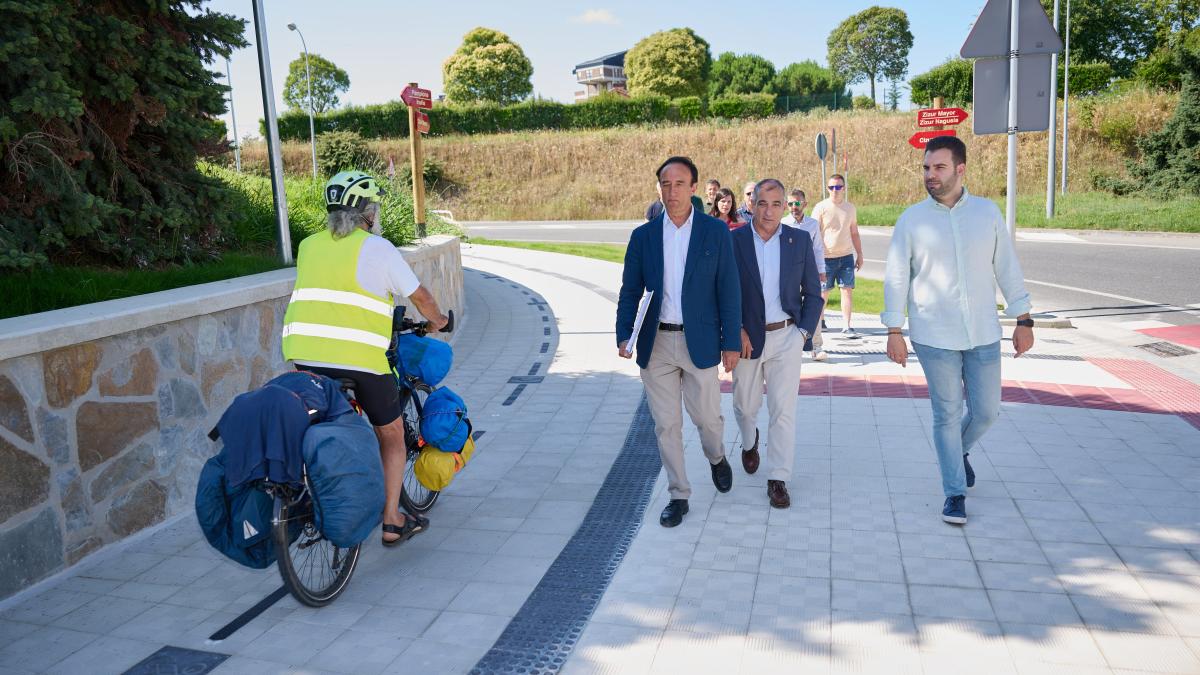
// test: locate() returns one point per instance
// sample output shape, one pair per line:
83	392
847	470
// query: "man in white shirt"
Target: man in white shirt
797	200
947	255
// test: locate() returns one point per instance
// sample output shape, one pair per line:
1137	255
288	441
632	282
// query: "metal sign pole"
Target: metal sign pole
274	158
1014	53
1066	96
237	144
1053	135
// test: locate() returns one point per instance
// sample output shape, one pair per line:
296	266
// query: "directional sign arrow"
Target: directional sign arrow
417	97
919	139
990	37
932	117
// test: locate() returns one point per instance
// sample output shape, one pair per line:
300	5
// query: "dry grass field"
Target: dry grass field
610	173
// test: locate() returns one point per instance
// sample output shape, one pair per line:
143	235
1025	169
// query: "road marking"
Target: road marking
1188	309
1048	236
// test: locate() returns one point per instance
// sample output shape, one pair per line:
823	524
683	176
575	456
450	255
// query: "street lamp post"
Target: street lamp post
1066	98
312	137
237	145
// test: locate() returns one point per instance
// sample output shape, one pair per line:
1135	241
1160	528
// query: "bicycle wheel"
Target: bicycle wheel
414	498
313	569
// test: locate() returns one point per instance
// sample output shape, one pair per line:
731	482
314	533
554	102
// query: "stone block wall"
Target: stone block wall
104	409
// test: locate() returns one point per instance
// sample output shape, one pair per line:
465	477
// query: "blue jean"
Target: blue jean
948	373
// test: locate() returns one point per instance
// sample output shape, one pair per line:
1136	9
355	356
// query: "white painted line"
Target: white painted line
1143	325
1048	236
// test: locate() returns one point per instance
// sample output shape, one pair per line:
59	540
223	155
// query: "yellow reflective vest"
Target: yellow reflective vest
330	317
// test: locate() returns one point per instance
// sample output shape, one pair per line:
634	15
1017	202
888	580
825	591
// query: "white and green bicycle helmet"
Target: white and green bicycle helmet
352	190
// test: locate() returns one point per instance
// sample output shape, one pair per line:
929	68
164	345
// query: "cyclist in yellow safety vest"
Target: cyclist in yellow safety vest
339	321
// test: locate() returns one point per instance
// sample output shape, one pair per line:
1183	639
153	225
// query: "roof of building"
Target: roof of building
614	59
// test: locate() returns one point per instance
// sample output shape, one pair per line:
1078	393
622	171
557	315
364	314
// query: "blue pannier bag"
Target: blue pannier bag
342	459
236	522
424	357
444	423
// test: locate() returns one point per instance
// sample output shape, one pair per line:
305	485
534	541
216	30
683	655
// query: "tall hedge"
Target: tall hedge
104	108
950	80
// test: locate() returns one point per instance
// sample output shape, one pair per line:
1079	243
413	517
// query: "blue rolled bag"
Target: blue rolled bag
444	423
424	357
266	435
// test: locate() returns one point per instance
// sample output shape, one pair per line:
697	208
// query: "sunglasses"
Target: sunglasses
796	203
837	187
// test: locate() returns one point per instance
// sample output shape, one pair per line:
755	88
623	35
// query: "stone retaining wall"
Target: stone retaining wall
104	409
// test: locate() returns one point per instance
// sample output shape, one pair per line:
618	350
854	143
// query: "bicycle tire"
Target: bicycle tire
301	550
414	497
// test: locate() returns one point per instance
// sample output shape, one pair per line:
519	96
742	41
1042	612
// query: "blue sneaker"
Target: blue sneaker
970	471
955	510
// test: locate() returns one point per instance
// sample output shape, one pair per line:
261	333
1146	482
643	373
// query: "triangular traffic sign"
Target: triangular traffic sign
989	36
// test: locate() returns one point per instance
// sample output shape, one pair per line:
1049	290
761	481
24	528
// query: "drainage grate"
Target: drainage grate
1166	349
178	660
541	636
525	379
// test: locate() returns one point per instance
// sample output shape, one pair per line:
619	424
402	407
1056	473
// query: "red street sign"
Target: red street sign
932	117
422	122
417	97
919	139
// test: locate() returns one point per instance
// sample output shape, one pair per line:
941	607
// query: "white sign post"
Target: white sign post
1011	29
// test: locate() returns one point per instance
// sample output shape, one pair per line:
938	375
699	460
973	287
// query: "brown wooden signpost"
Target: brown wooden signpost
418	123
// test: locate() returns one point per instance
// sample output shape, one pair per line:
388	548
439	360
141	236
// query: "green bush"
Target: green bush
742	106
951	80
690	108
1086	78
864	103
1120	132
343	150
432	170
614	110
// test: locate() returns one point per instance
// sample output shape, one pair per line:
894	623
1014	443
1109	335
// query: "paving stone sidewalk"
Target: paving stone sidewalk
1082	553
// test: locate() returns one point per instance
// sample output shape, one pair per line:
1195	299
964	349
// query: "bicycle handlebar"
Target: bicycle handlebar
401	323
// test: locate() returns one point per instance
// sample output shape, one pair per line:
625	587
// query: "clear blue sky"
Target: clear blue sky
384	44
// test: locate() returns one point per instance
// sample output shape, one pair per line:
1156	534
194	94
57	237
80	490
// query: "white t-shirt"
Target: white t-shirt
382	269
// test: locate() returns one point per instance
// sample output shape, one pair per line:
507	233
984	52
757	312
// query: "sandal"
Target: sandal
413	525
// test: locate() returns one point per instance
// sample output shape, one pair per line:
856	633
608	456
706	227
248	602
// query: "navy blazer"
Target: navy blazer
712	311
799	283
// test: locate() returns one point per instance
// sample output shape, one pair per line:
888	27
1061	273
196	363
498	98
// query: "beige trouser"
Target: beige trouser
779	368
817	340
669	376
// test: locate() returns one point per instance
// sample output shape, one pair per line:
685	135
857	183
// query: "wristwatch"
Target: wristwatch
803	333
1027	323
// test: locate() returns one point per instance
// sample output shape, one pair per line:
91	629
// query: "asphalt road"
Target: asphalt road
1124	276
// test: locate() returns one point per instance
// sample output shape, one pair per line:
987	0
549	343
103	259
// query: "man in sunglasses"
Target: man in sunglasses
796	203
843	248
947	256
745	212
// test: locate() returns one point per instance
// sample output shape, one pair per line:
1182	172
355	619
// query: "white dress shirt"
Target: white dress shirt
675	250
945	264
767	254
813	228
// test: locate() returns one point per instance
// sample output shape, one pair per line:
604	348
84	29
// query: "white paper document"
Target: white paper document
637	322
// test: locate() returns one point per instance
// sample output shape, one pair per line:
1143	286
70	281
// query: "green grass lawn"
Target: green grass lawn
55	287
1083	211
868	293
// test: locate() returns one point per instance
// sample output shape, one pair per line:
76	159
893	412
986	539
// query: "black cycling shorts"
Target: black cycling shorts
378	395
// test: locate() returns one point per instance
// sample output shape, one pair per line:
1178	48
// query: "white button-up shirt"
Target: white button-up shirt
813	228
767	254
944	264
675	250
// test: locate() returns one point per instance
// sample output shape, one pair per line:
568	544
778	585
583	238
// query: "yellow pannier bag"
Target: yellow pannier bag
435	468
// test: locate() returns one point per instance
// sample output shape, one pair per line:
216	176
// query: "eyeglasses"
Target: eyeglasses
796	203
837	187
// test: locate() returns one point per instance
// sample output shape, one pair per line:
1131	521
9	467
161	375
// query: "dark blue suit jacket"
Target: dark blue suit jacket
712	312
799	283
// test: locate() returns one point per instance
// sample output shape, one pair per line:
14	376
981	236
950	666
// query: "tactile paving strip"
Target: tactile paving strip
541	636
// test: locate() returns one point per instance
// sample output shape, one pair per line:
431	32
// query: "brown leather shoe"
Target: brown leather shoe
778	494
750	457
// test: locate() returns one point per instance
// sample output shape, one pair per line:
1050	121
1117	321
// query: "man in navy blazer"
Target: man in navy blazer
692	323
781	305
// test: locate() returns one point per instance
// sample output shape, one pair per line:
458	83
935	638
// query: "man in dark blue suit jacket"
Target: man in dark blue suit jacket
781	305
693	322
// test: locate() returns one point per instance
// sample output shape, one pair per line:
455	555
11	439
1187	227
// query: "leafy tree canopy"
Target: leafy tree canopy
740	74
951	80
807	78
672	63
871	45
328	81
488	66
